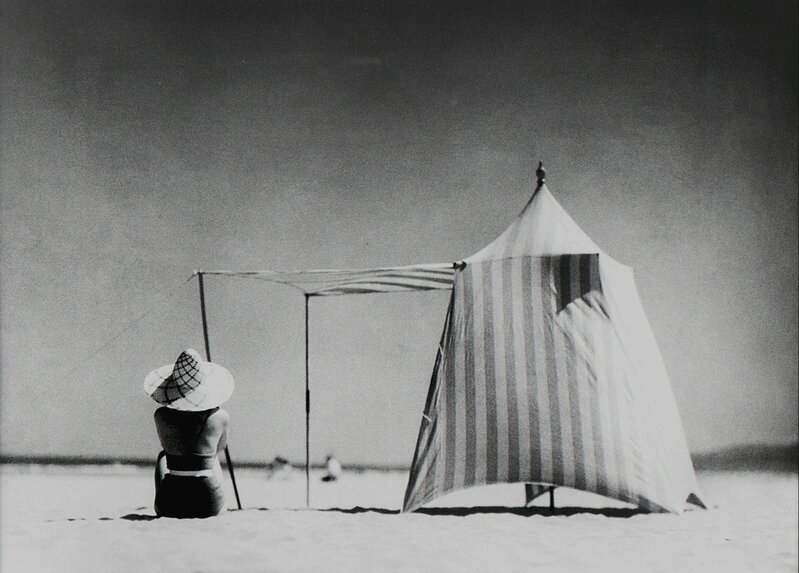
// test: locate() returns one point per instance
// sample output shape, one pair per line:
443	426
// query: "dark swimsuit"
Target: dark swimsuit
190	496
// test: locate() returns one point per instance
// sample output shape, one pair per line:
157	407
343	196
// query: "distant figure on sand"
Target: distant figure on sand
333	468
280	468
193	431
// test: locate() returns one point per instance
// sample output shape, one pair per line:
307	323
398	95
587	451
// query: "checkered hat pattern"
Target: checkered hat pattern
190	384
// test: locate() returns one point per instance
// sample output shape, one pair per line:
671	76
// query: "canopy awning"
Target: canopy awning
332	282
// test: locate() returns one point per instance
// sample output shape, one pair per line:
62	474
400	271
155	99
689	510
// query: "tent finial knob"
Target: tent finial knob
541	174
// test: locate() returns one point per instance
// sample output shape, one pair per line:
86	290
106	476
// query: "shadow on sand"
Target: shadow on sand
617	512
128	517
138	517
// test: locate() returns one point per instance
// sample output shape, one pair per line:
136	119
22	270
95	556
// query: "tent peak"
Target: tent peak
541	174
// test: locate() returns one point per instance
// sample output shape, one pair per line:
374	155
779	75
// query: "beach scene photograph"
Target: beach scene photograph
399	286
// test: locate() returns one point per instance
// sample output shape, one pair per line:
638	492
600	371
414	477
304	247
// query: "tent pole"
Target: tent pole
541	175
208	358
307	416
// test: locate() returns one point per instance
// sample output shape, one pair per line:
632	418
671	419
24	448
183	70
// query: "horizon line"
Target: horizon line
774	457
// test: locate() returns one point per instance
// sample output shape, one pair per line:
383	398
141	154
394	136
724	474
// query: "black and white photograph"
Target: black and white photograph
370	286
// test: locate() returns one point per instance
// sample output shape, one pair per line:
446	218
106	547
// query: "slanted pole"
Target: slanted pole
208	358
307	416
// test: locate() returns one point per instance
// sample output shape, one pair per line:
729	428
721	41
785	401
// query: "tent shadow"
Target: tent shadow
615	512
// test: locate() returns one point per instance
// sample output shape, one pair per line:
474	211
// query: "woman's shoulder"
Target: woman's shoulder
220	417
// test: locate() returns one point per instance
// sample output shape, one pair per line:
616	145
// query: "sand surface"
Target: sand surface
101	519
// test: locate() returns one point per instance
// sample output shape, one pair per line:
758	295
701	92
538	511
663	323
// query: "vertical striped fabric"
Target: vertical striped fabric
548	373
529	383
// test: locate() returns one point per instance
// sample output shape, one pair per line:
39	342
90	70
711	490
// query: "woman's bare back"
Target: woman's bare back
192	433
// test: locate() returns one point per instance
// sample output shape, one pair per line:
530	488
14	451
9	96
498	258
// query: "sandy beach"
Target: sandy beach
95	518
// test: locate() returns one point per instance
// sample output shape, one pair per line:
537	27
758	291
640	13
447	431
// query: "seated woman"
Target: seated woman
193	431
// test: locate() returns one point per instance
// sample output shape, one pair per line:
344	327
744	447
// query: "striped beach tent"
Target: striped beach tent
548	373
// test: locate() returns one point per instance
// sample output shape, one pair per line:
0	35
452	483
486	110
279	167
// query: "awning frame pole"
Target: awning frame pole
208	358
307	415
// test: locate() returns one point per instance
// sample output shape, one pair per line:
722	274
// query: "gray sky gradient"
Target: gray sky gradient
142	140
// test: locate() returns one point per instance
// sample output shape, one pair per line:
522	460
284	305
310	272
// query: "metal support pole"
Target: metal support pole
307	416
208	358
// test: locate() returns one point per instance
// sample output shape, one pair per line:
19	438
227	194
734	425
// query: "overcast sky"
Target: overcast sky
141	140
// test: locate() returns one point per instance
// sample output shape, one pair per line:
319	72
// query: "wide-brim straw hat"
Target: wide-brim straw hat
191	384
